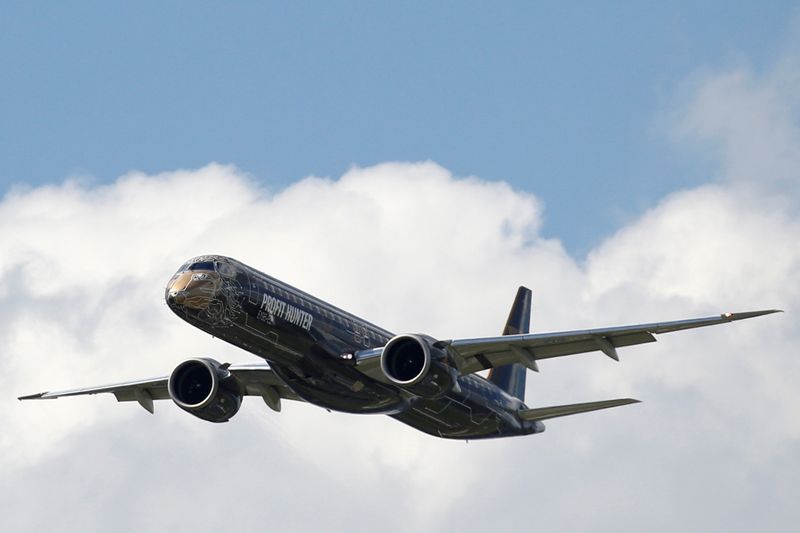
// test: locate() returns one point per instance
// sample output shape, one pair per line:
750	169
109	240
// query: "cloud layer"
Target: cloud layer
413	248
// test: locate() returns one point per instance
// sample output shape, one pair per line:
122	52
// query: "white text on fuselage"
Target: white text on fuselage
284	311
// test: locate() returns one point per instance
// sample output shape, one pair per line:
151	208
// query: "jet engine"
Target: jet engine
415	363
205	388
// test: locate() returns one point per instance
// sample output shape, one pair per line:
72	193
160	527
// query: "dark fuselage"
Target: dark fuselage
311	344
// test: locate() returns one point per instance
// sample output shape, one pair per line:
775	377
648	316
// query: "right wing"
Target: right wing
474	355
257	379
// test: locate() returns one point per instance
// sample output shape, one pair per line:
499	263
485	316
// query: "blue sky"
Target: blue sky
565	100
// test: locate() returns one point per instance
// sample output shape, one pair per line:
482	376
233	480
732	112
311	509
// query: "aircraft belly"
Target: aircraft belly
339	391
455	417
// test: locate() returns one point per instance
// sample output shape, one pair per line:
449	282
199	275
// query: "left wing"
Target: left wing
257	379
474	355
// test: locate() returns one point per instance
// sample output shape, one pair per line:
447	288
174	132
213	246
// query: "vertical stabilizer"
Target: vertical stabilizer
511	378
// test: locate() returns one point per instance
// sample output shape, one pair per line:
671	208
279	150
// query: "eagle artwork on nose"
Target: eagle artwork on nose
194	290
200	289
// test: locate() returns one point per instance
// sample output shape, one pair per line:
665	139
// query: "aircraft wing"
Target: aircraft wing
474	355
257	379
482	353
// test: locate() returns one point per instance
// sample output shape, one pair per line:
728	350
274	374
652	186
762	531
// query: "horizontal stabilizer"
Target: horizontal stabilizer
543	413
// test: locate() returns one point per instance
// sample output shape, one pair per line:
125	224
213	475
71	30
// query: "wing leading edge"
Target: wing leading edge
257	379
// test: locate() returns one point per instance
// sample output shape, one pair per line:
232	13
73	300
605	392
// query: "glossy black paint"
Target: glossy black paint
307	342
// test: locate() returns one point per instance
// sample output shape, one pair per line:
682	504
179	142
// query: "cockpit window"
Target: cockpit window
202	265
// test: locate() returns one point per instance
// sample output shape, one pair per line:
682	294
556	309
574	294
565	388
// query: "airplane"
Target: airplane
317	353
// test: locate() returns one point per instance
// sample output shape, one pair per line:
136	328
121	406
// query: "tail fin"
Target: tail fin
511	378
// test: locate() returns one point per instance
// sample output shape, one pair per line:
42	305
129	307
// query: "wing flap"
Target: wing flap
504	355
544	413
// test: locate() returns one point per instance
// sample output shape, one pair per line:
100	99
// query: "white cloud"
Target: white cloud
410	247
747	122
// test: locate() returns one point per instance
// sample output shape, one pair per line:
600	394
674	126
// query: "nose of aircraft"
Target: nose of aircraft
192	288
176	288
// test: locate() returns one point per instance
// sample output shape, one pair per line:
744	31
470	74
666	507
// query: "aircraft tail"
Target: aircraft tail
511	378
543	413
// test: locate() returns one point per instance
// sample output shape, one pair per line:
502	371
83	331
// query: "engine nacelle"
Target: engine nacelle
205	388
416	364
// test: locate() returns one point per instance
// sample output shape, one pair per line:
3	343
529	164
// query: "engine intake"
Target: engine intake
416	364
205	388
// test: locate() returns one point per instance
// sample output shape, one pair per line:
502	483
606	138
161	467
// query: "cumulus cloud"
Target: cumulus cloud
413	248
